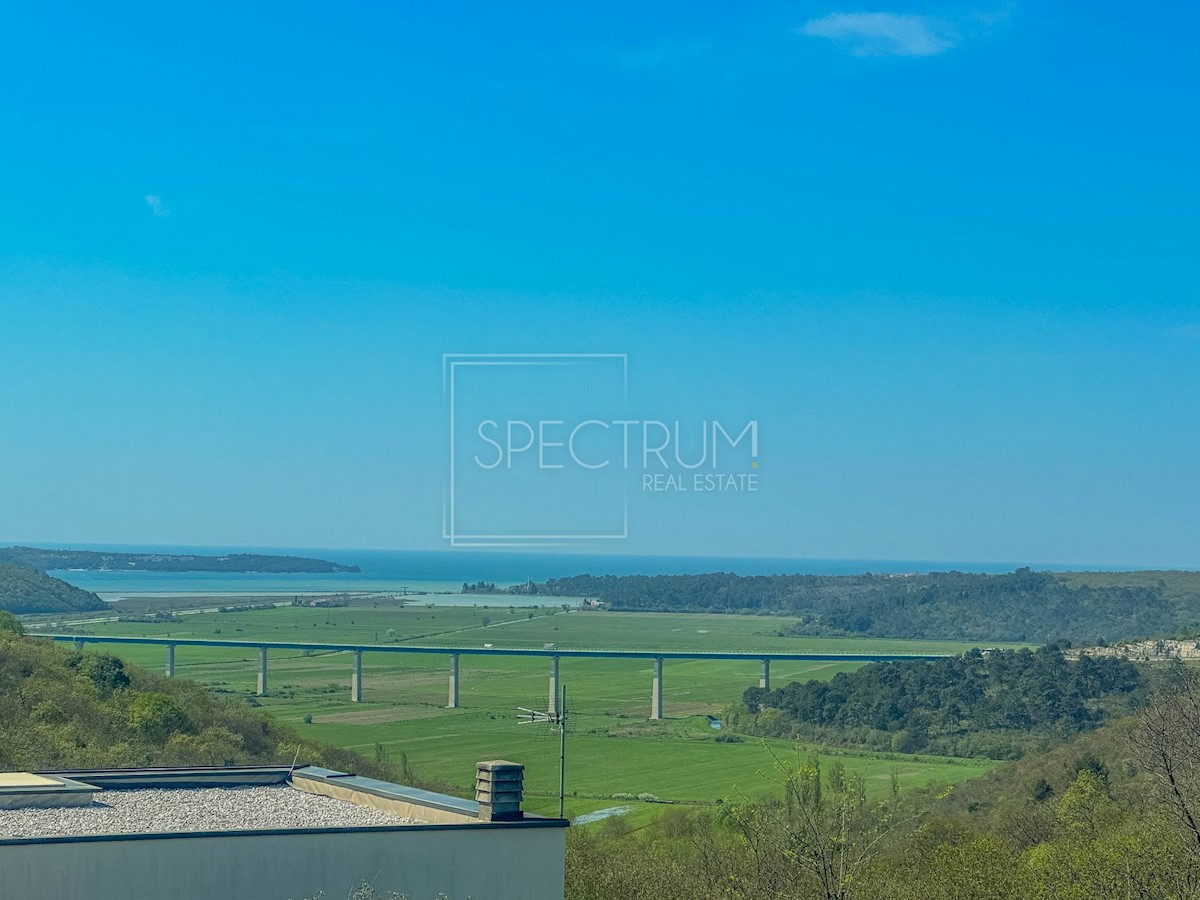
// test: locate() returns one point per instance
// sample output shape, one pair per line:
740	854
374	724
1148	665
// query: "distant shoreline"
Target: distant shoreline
517	566
46	560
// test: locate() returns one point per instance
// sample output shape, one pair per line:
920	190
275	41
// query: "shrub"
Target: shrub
157	716
10	624
106	672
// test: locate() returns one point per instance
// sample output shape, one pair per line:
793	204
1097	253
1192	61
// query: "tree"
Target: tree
816	842
1165	741
10	624
1085	806
157	716
105	671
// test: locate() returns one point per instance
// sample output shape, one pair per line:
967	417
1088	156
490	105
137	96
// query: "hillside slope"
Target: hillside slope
1017	606
60	709
25	590
997	704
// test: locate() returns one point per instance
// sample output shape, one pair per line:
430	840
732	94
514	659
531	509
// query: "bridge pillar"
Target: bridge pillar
262	671
552	706
452	701
764	680
170	670
656	706
356	678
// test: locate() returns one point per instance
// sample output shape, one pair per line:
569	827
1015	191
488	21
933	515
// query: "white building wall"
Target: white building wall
459	861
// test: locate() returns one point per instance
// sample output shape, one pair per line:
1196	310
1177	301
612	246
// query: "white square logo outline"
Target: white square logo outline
450	362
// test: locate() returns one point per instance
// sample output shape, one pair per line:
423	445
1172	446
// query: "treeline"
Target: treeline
1111	814
61	709
480	587
28	591
997	704
1018	606
36	558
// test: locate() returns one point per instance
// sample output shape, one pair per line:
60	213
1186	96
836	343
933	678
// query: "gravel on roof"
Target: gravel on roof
155	810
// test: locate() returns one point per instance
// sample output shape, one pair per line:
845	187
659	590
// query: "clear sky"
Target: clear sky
943	253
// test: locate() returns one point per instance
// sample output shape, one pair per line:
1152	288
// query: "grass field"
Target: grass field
612	746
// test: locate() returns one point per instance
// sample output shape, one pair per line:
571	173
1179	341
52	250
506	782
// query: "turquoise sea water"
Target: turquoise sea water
437	571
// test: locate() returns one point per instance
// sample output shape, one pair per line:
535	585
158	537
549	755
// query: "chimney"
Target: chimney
498	790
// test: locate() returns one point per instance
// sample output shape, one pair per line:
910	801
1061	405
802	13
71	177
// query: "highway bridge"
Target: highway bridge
453	653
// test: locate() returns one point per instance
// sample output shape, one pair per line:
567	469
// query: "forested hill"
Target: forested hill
1017	606
25	590
997	704
36	558
64	710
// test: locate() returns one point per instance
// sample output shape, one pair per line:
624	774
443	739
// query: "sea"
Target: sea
443	572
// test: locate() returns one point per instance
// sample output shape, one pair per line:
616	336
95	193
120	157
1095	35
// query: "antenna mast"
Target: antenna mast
557	720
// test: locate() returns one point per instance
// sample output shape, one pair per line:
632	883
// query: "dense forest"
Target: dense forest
997	704
25	590
60	709
35	558
1114	813
1018	606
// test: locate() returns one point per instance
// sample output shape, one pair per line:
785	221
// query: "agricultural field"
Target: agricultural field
614	751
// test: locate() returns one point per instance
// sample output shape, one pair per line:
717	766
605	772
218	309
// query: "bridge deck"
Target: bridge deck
496	651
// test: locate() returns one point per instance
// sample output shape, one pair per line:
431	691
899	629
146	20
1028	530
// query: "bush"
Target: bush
157	716
106	672
53	716
10	624
214	746
615	827
678	823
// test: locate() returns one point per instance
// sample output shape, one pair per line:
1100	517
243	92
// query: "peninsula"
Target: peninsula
46	560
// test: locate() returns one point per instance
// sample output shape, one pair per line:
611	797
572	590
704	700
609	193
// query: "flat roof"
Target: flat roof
26	779
206	809
19	790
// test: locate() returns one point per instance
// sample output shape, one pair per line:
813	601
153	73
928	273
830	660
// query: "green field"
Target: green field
612	746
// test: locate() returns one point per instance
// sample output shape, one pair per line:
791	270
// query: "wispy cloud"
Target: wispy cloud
155	202
885	34
904	34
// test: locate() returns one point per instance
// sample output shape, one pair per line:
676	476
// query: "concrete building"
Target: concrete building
270	833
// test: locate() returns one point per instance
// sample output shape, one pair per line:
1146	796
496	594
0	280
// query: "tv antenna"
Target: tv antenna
557	720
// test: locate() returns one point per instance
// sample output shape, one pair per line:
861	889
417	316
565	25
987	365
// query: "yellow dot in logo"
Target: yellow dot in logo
754	465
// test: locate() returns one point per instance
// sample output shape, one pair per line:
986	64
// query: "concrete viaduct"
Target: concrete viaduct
554	655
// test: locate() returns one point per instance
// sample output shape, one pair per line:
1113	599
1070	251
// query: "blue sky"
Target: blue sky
943	253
